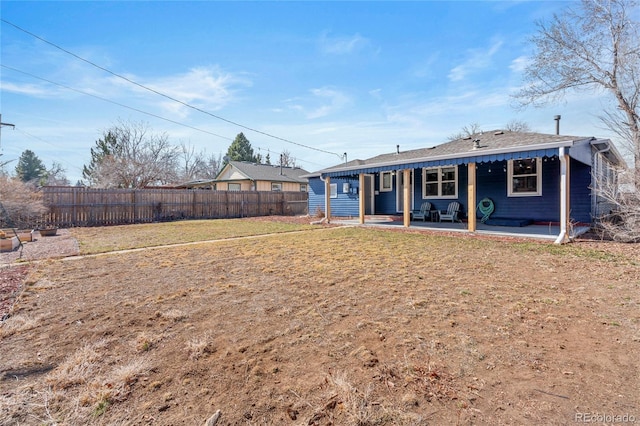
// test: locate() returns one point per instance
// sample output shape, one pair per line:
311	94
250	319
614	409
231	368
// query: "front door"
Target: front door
369	195
400	190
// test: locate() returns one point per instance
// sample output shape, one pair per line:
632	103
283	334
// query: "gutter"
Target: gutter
477	153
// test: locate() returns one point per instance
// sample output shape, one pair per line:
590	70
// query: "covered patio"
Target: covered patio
545	232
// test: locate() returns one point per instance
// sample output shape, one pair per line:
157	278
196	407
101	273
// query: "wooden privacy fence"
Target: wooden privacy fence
79	206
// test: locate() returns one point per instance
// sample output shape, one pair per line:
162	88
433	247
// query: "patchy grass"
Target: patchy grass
123	237
349	326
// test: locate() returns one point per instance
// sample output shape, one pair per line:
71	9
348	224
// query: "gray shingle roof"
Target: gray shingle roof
496	140
272	173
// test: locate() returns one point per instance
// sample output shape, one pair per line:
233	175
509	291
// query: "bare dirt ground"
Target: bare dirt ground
330	326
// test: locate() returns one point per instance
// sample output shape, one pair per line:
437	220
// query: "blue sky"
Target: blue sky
355	77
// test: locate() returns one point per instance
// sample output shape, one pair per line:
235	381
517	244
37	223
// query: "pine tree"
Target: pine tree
105	147
241	150
30	168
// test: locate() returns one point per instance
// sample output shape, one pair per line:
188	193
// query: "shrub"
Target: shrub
22	202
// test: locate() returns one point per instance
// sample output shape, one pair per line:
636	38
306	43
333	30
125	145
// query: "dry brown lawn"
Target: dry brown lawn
341	326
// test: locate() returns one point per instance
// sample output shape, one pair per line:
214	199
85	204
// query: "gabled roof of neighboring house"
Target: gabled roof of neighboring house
265	172
495	145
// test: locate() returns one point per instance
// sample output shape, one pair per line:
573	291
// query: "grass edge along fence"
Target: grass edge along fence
80	206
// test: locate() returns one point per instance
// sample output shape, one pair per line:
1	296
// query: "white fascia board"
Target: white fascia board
480	152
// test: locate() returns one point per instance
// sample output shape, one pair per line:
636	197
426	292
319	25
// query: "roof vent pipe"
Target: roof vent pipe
397	149
557	118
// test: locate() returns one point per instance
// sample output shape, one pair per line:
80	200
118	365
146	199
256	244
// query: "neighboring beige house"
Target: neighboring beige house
245	176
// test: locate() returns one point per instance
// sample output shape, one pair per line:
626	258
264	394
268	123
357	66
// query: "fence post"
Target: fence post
193	205
134	206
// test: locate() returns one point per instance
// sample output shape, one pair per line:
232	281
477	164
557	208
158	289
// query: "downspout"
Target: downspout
595	184
562	237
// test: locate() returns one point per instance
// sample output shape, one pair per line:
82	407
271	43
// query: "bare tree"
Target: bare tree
213	166
619	205
194	163
466	131
286	159
56	175
518	126
595	46
133	157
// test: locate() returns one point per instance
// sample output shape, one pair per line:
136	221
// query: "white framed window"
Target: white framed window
303	187
386	181
276	186
234	187
334	190
524	177
440	182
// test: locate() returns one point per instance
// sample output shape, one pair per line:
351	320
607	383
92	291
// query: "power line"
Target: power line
48	143
113	102
167	96
128	107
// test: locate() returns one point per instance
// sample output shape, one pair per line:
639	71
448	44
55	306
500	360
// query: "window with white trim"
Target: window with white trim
303	187
334	190
524	177
386	181
234	187
440	182
276	186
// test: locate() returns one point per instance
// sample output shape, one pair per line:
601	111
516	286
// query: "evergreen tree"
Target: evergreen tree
105	147
30	168
241	150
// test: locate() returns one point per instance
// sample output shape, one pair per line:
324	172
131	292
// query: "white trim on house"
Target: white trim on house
439	183
384	188
511	176
507	150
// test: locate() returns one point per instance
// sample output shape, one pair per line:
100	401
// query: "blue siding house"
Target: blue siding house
525	177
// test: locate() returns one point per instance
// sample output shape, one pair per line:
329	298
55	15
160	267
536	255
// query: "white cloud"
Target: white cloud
330	100
477	59
204	87
520	63
336	101
342	45
26	89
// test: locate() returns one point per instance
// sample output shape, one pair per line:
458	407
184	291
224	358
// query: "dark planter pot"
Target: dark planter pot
48	232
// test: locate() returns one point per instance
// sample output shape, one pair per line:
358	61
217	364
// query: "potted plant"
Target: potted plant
47	231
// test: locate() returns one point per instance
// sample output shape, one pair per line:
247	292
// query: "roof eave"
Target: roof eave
615	156
535	147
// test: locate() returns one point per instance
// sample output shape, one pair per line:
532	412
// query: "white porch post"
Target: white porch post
361	195
406	176
327	199
471	197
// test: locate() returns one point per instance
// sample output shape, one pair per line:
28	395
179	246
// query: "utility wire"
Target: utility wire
167	96
48	143
129	107
113	102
